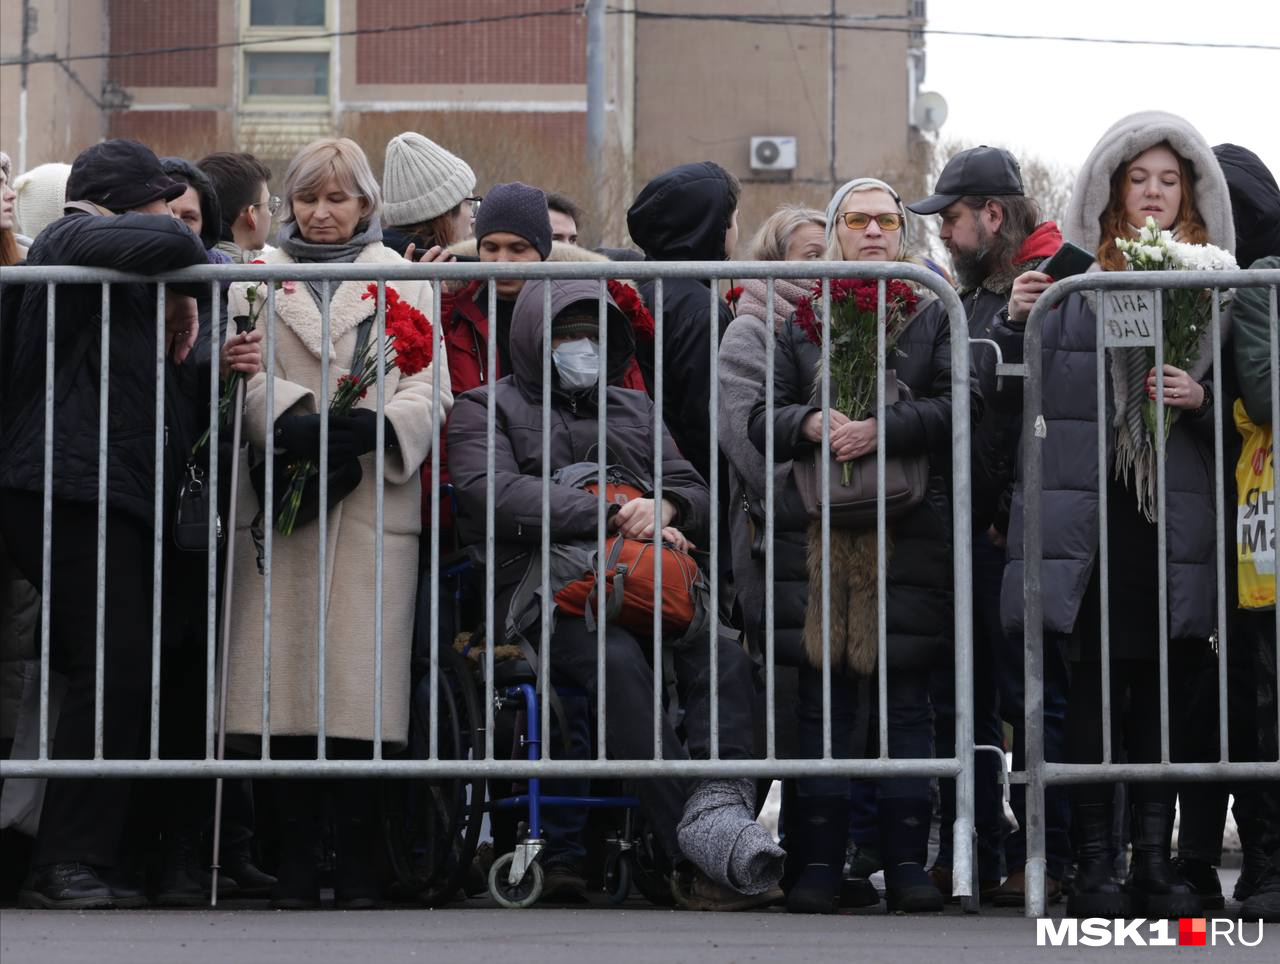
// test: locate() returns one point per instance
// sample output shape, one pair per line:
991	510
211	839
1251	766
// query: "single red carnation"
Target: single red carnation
807	321
733	294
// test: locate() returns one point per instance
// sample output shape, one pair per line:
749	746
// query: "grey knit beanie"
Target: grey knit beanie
519	209
5	166
421	180
42	195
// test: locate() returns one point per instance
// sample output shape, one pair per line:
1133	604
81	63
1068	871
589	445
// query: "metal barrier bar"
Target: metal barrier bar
46	565
100	625
770	658
659	430
473	769
379	513
157	548
211	573
490	539
882	573
322	580
713	484
544	650
602	387
1220	544
433	659
1275	475
1162	529
268	512
825	490
1104	536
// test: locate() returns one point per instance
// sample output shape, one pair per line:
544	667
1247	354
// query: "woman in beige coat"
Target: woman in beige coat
331	216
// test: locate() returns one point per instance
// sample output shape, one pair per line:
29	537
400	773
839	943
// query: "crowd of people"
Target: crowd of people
119	843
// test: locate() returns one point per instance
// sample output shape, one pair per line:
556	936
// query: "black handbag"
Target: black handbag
344	477
191	511
853	506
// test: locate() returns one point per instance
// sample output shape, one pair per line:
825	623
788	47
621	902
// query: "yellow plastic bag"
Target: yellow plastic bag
1255	514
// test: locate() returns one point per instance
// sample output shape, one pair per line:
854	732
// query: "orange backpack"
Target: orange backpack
630	574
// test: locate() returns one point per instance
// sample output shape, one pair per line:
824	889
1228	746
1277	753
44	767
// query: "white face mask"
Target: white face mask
578	363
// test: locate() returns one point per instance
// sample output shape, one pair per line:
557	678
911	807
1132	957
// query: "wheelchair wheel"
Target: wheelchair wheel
617	879
516	896
432	827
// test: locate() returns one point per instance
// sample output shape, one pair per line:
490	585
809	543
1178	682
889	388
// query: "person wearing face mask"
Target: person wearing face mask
682	515
1154	165
866	222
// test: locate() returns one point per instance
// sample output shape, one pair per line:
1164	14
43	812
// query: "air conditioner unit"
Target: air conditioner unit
773	153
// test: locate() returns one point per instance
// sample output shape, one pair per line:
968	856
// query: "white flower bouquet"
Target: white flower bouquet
1187	311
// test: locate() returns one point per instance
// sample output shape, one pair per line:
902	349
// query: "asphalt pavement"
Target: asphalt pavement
479	933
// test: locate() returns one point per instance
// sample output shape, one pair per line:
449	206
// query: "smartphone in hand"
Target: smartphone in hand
1069	261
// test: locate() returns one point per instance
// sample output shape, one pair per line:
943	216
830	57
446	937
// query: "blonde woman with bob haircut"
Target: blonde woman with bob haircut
865	221
331	208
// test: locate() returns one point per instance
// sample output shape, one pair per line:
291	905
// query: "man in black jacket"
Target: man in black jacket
118	218
990	229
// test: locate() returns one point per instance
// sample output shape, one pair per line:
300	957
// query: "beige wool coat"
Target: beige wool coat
350	560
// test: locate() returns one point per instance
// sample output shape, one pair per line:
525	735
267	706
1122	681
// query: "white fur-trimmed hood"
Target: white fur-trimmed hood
1125	140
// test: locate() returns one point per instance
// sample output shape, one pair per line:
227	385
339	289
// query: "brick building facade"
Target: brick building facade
501	82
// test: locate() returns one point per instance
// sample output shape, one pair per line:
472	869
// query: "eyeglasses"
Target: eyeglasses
475	202
272	204
858	221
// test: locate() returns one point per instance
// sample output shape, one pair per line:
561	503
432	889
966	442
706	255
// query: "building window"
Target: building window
287	75
286	13
287	62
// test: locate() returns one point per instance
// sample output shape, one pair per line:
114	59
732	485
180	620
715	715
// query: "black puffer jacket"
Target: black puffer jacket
574	418
682	215
141	243
920	569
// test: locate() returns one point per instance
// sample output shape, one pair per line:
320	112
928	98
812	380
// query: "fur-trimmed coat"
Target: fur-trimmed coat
349	579
1071	471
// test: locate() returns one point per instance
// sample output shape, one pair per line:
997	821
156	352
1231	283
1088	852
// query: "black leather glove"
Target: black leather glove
299	435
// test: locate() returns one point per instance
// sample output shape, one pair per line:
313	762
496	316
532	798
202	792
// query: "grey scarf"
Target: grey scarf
305	252
786	295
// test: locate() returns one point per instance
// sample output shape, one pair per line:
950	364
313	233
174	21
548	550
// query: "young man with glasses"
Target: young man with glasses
248	206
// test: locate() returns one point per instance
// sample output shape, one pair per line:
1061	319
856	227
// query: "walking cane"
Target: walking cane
227	582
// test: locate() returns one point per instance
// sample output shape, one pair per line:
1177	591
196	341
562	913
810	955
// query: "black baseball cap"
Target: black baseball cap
120	175
980	171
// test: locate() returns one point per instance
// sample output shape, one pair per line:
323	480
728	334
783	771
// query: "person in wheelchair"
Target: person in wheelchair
724	859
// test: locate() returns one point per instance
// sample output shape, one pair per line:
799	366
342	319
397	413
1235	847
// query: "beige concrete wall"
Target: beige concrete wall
703	89
61	119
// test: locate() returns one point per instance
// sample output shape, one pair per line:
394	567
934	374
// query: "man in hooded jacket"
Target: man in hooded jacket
518	507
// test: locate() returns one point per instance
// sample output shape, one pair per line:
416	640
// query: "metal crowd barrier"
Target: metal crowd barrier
488	764
1039	773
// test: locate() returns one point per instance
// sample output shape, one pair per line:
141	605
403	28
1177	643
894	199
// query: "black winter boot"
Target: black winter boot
297	885
355	879
184	880
1157	890
817	828
238	863
1095	891
904	842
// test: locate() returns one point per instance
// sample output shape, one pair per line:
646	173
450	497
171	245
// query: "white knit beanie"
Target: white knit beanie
42	193
421	180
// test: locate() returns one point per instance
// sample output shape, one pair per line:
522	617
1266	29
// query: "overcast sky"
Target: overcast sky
1056	99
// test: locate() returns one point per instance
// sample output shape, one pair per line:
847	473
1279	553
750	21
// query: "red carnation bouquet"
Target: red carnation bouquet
853	338
410	344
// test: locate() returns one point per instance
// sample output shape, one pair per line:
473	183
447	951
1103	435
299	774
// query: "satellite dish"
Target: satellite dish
930	111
